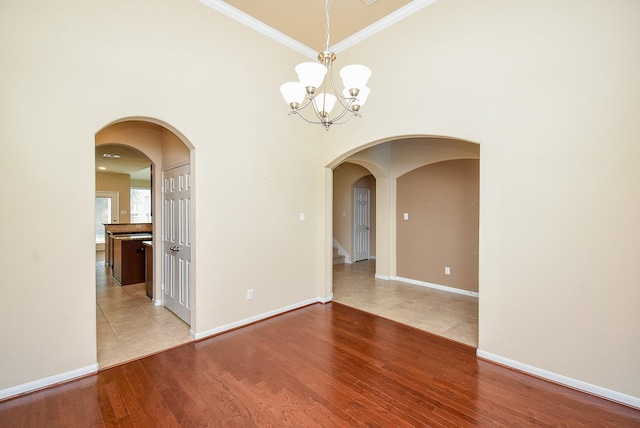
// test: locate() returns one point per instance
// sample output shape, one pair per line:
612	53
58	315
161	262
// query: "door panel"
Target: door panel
176	241
361	224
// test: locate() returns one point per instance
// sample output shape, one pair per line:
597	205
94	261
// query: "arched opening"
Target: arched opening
132	274
442	299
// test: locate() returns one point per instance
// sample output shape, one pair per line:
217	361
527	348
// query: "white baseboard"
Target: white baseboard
256	318
325	300
436	286
47	381
619	397
384	277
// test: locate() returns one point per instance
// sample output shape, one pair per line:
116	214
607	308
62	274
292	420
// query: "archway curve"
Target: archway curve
456	148
344	156
155	121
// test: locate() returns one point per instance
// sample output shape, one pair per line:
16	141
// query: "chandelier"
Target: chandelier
314	85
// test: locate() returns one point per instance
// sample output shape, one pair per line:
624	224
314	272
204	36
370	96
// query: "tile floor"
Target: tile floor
129	326
451	315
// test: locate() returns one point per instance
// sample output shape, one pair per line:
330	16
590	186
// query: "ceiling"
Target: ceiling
131	161
304	20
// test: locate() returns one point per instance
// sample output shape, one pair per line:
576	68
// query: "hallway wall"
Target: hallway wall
441	202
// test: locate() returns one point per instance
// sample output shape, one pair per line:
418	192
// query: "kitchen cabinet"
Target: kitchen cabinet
148	257
129	258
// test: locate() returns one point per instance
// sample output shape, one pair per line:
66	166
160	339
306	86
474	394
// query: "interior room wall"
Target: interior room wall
553	113
141	184
121	183
441	202
172	64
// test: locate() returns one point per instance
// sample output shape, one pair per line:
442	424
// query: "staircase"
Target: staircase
337	258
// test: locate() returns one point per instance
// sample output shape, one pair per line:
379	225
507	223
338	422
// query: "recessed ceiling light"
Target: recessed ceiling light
369	2
111	155
101	167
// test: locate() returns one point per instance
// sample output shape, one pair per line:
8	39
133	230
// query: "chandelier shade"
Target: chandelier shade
317	90
324	103
311	75
355	76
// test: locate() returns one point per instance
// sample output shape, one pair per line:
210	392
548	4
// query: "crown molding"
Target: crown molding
260	27
381	24
276	35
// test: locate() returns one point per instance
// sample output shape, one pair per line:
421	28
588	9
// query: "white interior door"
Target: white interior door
176	241
106	212
361	223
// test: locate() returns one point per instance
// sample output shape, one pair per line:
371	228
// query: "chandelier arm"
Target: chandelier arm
316	110
346	120
341	115
297	112
309	101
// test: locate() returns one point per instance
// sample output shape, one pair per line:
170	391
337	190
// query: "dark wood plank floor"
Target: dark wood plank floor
321	365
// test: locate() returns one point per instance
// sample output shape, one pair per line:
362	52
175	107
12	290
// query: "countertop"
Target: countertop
133	237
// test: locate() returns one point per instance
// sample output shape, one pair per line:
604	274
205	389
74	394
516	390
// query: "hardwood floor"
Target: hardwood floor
322	365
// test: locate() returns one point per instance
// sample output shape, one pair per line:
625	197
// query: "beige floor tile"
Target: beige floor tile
451	315
128	325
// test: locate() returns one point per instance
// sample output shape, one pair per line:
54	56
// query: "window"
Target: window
140	205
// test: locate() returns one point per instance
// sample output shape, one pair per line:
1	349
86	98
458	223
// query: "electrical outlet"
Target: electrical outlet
250	294
447	270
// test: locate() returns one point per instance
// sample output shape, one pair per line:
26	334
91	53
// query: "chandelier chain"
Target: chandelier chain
326	14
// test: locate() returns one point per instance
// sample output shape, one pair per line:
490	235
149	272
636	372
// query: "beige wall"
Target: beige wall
141	184
251	182
121	183
441	201
548	89
554	114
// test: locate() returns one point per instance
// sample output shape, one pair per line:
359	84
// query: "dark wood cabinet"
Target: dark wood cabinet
148	255
111	230
129	258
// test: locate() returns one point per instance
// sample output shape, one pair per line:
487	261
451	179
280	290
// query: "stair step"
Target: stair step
338	259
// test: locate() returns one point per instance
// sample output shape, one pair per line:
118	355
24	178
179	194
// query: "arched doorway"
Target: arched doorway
455	308
131	319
